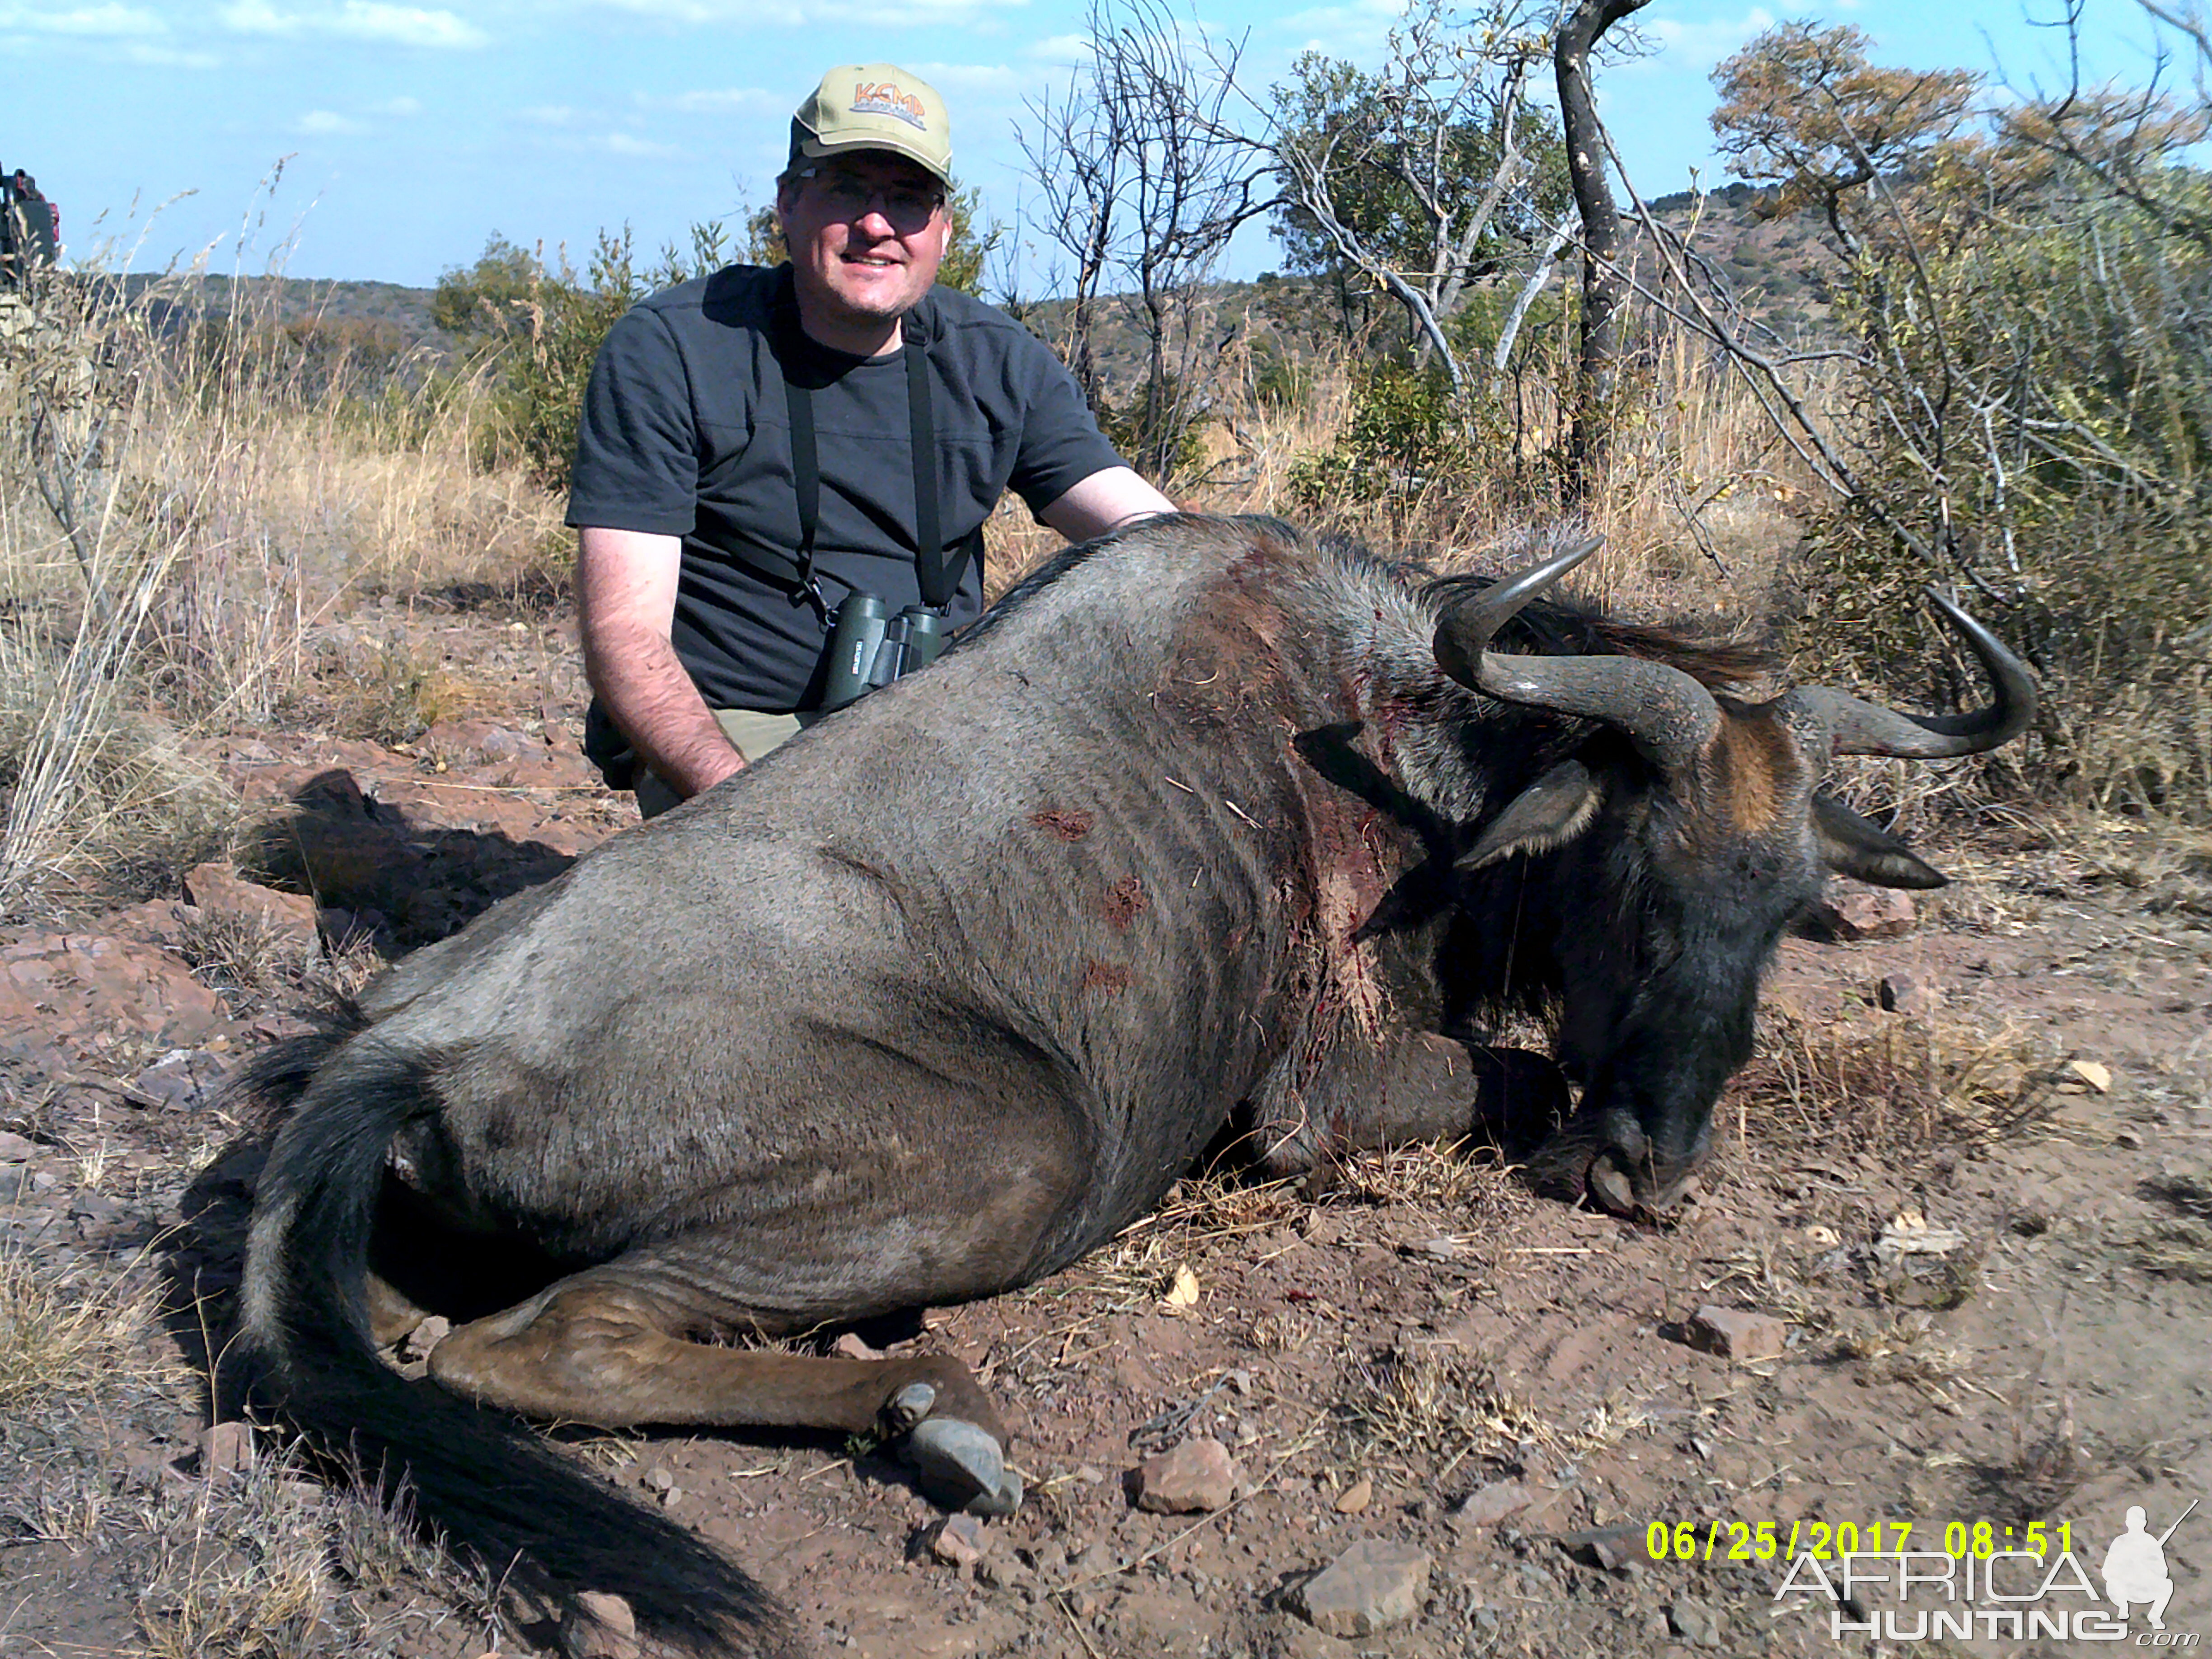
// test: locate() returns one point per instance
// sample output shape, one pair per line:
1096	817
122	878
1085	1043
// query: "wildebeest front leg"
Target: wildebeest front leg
1426	1087
615	1348
392	1314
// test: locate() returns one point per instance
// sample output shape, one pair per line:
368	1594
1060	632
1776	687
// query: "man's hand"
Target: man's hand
626	606
1104	501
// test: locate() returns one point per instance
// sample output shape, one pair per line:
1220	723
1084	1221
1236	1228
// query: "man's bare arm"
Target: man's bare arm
626	604
1104	501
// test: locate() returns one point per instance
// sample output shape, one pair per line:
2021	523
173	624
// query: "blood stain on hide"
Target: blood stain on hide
1125	902
1104	977
1066	825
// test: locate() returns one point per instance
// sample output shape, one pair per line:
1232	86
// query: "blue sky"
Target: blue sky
413	130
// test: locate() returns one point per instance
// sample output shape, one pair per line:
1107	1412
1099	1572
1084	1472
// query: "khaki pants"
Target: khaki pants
754	734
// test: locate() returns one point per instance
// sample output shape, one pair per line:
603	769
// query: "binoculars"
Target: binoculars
869	648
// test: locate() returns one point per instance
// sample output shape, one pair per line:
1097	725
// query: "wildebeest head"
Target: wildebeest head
1683	837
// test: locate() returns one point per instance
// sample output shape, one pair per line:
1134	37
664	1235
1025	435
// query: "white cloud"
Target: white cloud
1355	30
356	20
407	26
674	11
401	106
1060	49
257	17
716	100
110	21
802	14
143	51
623	143
324	124
549	115
974	78
1699	46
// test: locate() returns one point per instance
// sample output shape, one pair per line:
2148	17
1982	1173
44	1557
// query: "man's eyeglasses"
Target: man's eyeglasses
908	207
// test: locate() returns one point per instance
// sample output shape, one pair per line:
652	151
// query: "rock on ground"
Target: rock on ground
1490	1503
958	1541
1615	1548
1694	1622
225	1449
1735	1334
1847	914
289	919
1372	1586
1905	994
607	1628
1197	1477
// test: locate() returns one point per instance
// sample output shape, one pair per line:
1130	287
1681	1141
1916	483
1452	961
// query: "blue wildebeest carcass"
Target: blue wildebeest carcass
1204	819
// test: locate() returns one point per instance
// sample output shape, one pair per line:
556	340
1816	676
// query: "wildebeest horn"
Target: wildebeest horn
1668	715
1855	727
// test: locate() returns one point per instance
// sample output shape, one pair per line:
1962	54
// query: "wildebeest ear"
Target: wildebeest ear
1550	812
1852	847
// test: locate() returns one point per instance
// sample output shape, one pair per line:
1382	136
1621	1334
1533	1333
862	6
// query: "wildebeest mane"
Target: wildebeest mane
1558	625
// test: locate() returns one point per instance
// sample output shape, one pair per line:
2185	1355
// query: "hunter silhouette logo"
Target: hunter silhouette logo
2135	1566
885	98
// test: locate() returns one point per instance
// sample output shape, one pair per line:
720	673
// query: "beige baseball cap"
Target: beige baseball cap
874	106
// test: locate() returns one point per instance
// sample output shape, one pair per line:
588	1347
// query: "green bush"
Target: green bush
1403	434
536	328
1157	429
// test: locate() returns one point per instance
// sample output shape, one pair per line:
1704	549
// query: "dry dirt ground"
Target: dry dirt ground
1991	1268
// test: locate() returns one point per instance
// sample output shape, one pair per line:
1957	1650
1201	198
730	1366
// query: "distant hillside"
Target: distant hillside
1772	264
397	319
1268	326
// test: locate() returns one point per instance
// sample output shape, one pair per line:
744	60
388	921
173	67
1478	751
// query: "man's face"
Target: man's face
866	233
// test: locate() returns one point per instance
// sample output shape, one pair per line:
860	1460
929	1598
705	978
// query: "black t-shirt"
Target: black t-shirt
686	432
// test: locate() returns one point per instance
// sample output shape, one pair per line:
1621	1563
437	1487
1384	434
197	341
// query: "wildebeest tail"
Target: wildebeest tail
488	1487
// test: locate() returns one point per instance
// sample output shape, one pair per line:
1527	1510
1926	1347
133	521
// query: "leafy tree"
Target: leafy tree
489	298
1426	175
1802	108
1143	182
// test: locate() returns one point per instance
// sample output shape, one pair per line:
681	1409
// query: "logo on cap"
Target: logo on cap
885	98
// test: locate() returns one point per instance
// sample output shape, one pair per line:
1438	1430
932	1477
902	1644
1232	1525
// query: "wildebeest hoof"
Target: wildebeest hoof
908	1408
1608	1185
963	1467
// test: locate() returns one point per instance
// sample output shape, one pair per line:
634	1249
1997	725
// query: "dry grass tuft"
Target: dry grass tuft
1201	1215
1906	1349
2045	1468
2188	1190
238	1568
103	793
265	1565
1892	1087
1460	1176
1211	1209
244	953
68	1332
2177	1248
1434	1407
390	694
187	487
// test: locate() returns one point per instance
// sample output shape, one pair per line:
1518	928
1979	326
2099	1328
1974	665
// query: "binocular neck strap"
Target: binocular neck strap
938	579
929	527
